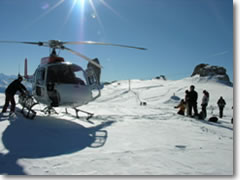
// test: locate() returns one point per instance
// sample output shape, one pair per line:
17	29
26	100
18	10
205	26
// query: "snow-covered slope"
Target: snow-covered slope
124	138
5	80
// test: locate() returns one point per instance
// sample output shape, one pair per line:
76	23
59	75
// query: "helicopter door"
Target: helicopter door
40	90
52	93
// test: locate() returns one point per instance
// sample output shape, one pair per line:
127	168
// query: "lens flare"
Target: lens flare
83	7
48	10
80	2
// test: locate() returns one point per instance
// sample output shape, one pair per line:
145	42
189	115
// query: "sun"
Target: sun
81	3
83	8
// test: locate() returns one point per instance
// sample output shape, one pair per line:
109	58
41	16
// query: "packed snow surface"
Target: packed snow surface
124	138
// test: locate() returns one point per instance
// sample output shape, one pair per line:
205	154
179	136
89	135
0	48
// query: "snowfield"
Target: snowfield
124	138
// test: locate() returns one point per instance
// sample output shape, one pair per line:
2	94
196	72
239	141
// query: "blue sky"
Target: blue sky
179	34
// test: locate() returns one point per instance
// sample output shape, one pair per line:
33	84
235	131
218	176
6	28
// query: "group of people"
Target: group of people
189	104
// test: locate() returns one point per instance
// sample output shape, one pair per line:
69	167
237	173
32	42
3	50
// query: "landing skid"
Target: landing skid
49	110
89	115
28	102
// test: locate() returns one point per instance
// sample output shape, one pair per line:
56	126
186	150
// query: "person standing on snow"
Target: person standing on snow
187	101
221	104
192	103
11	90
204	104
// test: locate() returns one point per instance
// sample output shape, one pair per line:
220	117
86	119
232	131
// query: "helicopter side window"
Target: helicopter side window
68	76
80	78
51	75
40	76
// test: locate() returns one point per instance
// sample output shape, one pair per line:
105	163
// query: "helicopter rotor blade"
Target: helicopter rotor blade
102	43
84	57
24	42
59	44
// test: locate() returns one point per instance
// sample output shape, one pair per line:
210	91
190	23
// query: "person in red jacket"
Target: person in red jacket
11	90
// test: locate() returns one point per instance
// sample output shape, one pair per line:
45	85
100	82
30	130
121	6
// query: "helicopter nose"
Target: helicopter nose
72	94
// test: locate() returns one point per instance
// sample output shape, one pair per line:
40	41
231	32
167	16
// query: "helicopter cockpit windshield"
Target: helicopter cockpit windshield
66	74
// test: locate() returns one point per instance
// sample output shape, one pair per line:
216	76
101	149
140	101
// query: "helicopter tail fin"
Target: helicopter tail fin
26	76
25	69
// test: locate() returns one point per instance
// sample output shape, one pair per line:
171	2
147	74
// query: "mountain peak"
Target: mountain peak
212	72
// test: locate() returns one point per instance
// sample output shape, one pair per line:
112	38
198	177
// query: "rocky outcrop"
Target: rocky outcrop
217	72
162	77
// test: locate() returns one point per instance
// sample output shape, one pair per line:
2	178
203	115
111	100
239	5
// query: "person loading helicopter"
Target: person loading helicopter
11	90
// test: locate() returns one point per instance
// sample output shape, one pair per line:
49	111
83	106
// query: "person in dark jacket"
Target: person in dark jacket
192	102
11	90
221	104
187	102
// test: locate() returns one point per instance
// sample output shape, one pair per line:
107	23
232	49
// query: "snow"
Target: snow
124	138
5	80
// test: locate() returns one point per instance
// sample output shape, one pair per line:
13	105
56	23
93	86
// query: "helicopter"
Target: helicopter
59	83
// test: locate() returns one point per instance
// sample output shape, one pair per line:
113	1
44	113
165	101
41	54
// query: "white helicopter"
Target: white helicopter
57	83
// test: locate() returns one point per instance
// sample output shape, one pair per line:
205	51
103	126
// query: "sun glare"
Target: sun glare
81	3
83	8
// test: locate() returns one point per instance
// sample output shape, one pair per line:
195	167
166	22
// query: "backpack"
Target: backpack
213	119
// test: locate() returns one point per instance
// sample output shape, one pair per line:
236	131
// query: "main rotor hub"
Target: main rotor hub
55	44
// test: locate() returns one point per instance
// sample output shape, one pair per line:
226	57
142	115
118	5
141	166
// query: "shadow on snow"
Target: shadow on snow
46	137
